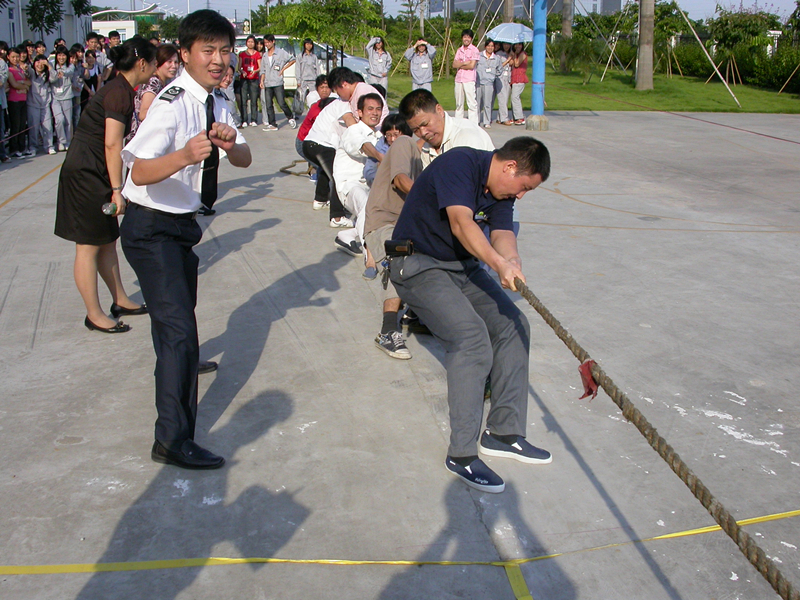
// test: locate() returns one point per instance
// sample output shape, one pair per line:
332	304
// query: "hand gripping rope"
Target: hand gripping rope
727	523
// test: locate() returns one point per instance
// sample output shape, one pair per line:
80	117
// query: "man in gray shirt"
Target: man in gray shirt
273	64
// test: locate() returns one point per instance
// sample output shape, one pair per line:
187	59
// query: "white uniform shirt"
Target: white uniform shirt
348	166
167	128
327	129
457	132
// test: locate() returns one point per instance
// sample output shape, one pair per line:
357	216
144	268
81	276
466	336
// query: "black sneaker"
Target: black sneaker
392	343
477	475
520	450
353	248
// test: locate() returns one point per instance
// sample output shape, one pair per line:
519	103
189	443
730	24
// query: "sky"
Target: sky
697	9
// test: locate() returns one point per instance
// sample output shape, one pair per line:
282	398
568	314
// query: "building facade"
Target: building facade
14	26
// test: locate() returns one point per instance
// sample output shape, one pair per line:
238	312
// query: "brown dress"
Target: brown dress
83	185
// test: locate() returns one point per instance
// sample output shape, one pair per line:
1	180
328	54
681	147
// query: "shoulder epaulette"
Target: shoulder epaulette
172	93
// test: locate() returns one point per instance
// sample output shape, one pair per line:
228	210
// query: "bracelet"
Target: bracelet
118	188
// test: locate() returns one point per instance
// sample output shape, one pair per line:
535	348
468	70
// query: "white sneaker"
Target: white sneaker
319	205
270	128
292	123
253	124
29	152
51	151
342	222
243	125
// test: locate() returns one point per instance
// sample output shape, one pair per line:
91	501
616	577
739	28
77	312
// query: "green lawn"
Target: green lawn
567	92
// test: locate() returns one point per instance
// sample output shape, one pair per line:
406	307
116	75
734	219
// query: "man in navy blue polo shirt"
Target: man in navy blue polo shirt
483	333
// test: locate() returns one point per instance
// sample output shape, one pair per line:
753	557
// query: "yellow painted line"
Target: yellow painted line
22	191
217	561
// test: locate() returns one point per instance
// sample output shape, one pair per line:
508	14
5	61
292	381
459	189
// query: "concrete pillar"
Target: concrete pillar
536	120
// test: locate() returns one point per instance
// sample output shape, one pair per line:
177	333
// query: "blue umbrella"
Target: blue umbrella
511	33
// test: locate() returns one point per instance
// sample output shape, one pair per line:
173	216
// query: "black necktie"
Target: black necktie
208	182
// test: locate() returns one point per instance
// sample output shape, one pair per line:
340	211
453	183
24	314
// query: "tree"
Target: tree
168	27
644	70
44	16
566	29
144	27
334	22
81	7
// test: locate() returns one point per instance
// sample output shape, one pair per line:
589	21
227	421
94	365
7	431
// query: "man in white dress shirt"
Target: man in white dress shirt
173	163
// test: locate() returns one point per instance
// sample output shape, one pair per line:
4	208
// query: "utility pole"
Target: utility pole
508	11
422	19
537	120
644	69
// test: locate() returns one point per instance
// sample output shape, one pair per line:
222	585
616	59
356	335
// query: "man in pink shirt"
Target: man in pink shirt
350	86
465	62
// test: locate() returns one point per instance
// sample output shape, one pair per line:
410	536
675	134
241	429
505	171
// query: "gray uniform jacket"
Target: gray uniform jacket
272	72
489	69
379	64
305	69
505	74
40	95
61	81
421	65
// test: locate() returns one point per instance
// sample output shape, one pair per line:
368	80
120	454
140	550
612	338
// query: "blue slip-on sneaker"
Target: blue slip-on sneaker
477	475
520	450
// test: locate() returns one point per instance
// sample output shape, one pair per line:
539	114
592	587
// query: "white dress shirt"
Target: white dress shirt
173	119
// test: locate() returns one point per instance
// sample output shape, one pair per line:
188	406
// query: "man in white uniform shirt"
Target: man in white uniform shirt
173	162
348	170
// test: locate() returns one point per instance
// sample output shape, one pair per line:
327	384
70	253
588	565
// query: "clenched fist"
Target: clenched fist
197	149
222	136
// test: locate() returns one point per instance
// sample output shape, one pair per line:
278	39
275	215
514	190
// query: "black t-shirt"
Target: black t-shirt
456	178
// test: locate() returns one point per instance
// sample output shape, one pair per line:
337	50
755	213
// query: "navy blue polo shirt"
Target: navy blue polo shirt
456	178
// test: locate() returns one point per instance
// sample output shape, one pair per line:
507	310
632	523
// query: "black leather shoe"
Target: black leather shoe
190	456
206	212
118	328
117	310
206	366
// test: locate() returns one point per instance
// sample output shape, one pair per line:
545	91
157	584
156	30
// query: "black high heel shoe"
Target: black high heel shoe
118	328
117	310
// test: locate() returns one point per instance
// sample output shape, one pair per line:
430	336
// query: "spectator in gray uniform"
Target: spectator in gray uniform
306	70
274	62
76	60
39	98
503	83
421	59
380	62
490	67
61	82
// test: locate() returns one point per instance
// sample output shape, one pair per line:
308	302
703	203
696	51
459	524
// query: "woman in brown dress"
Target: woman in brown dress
92	176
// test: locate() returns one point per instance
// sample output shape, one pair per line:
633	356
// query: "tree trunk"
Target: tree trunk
644	71
566	31
508	11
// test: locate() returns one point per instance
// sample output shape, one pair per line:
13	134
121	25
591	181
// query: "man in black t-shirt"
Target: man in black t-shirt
483	333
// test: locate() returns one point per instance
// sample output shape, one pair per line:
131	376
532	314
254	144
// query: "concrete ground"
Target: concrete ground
667	246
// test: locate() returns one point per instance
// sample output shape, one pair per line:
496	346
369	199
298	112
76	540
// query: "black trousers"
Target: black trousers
326	186
278	92
159	248
18	117
250	92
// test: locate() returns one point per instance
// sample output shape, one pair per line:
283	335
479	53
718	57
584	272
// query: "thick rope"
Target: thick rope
724	519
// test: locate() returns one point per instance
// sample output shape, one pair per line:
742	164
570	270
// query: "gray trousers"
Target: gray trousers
62	114
485	102
503	92
40	122
516	100
483	334
420	86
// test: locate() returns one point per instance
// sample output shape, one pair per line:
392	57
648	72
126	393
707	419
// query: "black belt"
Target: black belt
190	216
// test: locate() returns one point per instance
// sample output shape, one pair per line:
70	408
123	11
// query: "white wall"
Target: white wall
14	25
